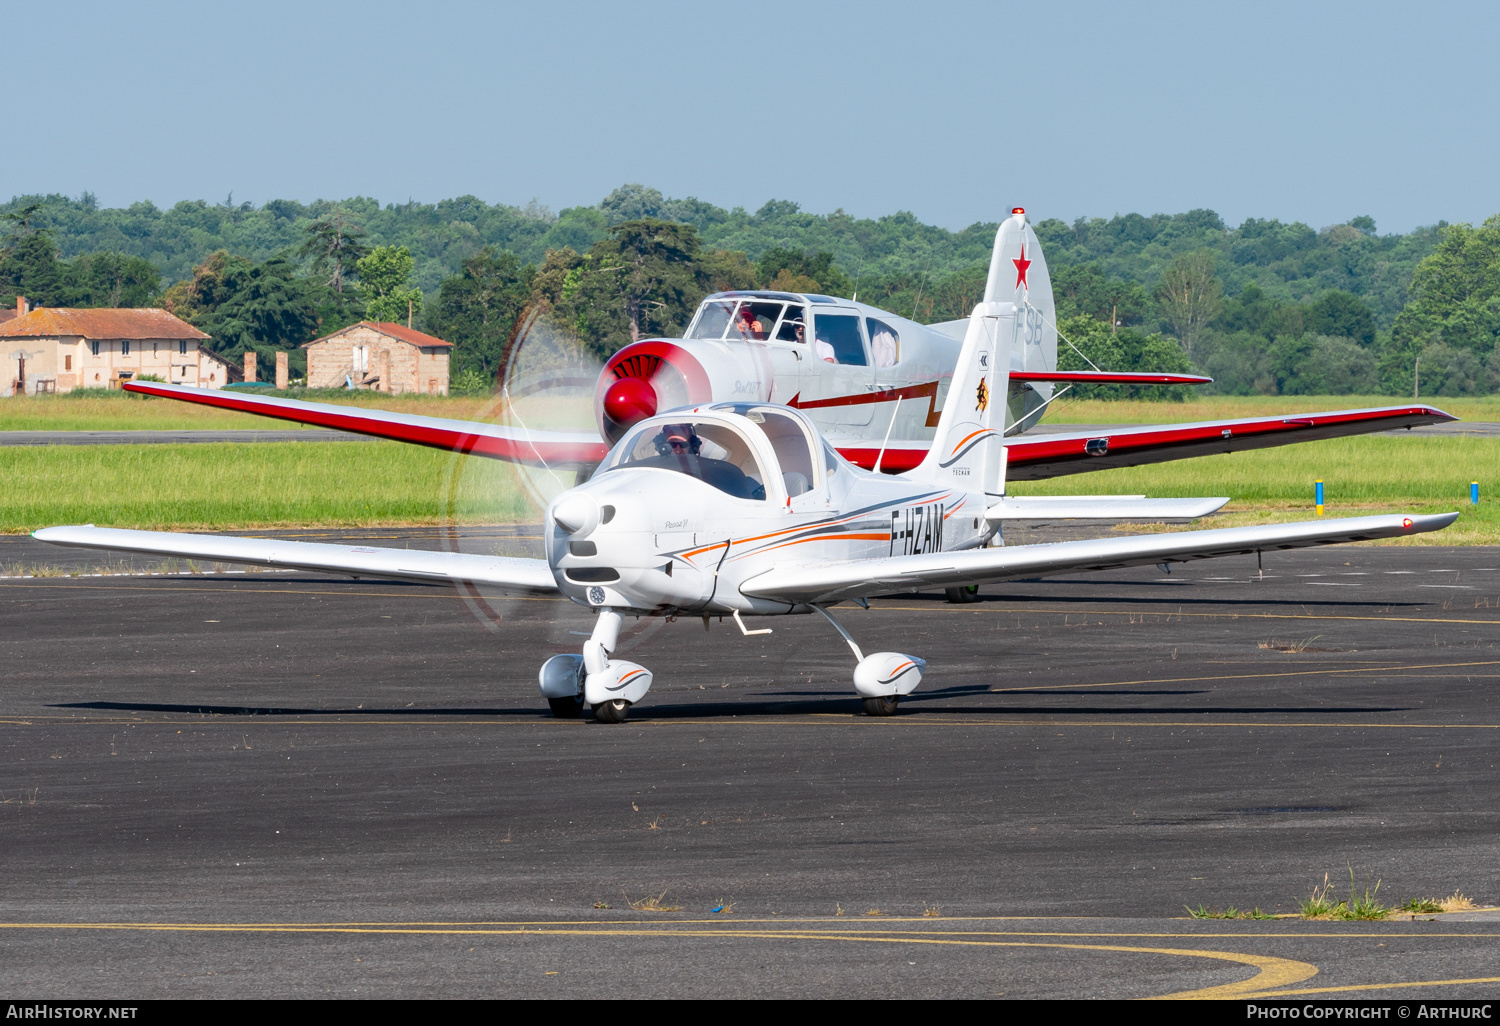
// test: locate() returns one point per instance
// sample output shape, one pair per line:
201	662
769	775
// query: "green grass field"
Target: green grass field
229	486
100	410
1228	407
1361	476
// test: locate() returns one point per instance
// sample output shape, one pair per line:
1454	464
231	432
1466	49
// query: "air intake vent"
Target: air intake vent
583	548
592	575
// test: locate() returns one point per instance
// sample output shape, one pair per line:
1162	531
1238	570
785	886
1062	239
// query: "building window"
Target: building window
94	345
67	362
125	347
182	348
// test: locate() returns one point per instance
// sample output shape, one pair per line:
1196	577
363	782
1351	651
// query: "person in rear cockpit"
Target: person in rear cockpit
750	326
679	448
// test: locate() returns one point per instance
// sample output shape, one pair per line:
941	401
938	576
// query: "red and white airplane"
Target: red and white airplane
873	382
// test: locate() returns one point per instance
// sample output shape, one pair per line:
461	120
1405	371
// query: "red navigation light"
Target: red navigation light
1018	210
629	400
1406	522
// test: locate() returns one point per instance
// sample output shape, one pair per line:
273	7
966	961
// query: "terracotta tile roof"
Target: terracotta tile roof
390	328
102	323
7	314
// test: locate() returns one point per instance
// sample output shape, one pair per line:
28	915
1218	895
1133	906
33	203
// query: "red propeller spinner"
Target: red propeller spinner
629	400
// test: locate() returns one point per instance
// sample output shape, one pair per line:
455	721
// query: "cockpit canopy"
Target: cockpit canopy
829	327
754	317
748	450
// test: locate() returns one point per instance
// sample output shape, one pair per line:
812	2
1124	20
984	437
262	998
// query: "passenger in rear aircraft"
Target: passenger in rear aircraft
822	348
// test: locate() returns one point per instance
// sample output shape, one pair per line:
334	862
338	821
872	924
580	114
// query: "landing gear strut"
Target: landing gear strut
882	678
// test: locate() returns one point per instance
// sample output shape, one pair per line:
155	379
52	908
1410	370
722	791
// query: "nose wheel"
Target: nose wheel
881	706
612	712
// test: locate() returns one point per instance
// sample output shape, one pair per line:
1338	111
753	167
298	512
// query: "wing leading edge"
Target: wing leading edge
869	577
554	448
517	576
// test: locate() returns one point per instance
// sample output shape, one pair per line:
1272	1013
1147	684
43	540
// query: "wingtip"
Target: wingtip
1418	523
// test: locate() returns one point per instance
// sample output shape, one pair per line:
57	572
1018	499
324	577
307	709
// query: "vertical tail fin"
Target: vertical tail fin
968	450
1018	274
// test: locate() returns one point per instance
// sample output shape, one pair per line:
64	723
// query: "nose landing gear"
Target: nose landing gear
609	686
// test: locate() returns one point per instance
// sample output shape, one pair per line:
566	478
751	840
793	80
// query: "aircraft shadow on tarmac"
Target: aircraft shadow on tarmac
1174	600
772	704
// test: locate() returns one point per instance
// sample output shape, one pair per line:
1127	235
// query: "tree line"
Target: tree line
1264	307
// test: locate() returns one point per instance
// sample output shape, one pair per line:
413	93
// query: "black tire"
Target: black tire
881	706
613	711
959	596
566	708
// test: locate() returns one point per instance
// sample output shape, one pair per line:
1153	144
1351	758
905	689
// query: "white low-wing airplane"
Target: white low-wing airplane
742	509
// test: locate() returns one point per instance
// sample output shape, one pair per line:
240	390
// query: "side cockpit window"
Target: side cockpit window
793	448
838	339
885	343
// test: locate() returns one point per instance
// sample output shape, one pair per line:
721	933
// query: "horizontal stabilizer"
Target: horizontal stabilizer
552	448
1100	507
520	576
864	578
1112	377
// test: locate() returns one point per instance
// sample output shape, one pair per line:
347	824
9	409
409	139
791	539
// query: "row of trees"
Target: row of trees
1168	292
1290	261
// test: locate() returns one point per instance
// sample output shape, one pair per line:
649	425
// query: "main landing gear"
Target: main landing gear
882	678
609	686
964	595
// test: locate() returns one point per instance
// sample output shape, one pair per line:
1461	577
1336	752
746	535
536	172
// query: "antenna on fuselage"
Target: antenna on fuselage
886	441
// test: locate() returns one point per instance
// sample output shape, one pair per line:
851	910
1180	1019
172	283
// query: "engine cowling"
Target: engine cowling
652	375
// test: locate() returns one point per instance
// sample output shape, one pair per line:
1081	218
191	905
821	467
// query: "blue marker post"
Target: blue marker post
1473	493
1318	496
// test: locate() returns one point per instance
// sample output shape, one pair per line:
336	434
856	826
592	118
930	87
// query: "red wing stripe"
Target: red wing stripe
453	435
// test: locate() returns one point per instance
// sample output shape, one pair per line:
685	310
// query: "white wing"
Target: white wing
866	577
1100	507
521	576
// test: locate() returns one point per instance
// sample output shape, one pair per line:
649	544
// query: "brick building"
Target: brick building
55	349
378	355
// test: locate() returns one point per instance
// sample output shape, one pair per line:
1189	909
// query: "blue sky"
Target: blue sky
954	111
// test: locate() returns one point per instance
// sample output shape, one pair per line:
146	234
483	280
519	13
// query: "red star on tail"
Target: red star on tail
1021	266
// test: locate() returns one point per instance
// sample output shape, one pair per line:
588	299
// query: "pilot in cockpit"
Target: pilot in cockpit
678	439
679	448
750	326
